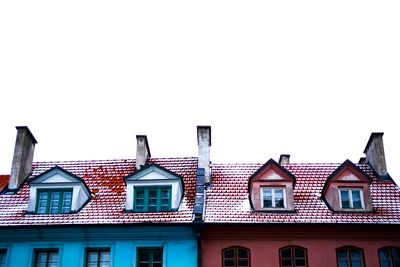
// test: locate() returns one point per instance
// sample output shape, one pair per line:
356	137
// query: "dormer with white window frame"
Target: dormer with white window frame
347	189
153	189
57	191
271	188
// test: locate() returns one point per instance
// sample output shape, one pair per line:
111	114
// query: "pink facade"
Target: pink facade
319	241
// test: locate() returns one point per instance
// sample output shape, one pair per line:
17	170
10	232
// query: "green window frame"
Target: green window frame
152	198
150	257
3	255
98	257
53	201
46	258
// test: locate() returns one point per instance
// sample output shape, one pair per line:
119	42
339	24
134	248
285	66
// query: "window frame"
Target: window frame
235	257
151	250
146	198
273	188
98	251
391	254
47	251
49	192
293	255
3	253
349	249
349	191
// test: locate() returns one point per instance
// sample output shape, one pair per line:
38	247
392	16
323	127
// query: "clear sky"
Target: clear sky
308	78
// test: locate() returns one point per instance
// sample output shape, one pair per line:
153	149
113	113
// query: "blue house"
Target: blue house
119	213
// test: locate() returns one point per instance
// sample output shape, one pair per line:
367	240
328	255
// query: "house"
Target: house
133	212
187	211
303	214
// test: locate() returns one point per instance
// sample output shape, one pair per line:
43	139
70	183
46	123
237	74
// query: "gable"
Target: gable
56	175
153	173
272	171
347	172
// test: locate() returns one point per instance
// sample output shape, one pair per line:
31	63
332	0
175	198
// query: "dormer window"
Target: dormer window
351	198
156	198
54	201
273	197
153	189
347	189
57	191
271	188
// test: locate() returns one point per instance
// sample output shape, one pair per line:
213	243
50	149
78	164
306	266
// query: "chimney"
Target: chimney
204	143
375	154
23	157
284	159
142	151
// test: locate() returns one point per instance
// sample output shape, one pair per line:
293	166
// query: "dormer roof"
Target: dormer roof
272	171
347	172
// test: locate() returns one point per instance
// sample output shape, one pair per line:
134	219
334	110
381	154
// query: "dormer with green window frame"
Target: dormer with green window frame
153	189
57	191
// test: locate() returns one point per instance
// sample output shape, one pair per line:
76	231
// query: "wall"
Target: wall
320	241
123	242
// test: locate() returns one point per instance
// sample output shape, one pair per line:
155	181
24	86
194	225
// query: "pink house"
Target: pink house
299	214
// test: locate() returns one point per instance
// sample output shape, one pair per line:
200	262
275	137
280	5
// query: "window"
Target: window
350	257
293	257
152	198
351	198
3	254
273	197
150	257
98	257
389	257
54	201
236	257
46	258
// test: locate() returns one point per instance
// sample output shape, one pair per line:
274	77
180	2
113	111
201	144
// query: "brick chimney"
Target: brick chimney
142	151
23	157
204	143
375	155
284	159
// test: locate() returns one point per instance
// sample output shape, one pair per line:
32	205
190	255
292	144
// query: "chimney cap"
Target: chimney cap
284	158
28	131
207	128
141	136
371	138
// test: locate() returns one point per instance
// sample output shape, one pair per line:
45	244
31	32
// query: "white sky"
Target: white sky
309	78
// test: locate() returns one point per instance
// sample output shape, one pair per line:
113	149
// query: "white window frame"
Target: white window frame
348	190
273	197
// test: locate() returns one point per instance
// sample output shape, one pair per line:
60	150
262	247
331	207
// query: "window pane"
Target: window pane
396	257
229	253
67	200
384	253
42	203
54	202
286	253
300	262
286	263
152	200
105	256
242	253
243	263
343	264
356	199
267	198
342	254
299	253
279	198
344	195
53	257
41	258
356	255
229	263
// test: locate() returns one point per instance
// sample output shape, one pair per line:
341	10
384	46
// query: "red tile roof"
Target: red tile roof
105	179
227	201
4	181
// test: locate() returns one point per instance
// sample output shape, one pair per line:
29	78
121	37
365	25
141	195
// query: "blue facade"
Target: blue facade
178	244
